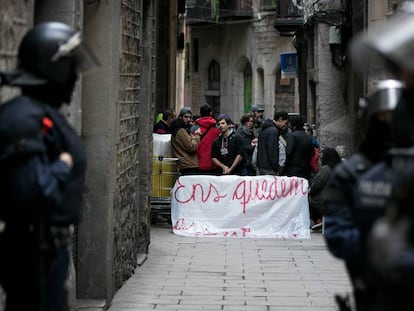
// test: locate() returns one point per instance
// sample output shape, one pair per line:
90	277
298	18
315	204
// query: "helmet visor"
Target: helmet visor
81	57
85	59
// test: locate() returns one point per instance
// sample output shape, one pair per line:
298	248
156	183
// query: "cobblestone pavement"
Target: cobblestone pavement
183	273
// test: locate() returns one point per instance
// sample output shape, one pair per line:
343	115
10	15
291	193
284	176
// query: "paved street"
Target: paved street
227	274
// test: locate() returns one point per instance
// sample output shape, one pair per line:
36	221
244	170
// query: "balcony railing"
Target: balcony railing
289	16
289	8
203	11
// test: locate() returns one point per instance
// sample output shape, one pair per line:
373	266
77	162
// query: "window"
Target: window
268	4
214	75
195	55
247	81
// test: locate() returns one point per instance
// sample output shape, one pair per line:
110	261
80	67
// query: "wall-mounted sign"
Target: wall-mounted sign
288	65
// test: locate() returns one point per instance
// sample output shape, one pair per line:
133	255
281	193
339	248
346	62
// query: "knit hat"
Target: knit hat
225	117
185	110
257	107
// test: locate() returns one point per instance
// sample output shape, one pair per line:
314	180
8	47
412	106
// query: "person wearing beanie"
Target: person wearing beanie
185	110
184	144
258	111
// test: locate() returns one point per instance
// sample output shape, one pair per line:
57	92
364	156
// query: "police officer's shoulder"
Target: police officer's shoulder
21	117
382	169
352	167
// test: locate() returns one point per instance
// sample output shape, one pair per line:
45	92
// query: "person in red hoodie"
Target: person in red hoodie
209	132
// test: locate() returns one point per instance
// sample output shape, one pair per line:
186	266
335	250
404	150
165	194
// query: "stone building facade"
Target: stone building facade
325	88
113	109
327	83
235	63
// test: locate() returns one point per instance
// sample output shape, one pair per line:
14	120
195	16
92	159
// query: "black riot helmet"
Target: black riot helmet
376	112
50	55
52	52
383	97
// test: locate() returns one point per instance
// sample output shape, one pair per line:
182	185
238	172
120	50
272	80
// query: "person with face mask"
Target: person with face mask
43	165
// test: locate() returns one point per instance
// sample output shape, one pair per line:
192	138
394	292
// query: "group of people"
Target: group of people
282	146
364	201
255	146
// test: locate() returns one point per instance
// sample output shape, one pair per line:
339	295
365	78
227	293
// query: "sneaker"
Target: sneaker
312	223
317	227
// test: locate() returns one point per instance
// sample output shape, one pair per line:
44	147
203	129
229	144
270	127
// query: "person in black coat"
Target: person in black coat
227	150
245	131
268	149
329	159
163	126
299	161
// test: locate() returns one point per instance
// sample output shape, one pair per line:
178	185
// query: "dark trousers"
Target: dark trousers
189	171
214	172
265	171
33	277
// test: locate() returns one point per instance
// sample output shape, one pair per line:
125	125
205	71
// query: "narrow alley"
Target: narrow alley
184	273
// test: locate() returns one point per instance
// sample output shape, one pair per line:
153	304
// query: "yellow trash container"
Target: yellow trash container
164	174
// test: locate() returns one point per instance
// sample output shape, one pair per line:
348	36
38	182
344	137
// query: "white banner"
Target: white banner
243	207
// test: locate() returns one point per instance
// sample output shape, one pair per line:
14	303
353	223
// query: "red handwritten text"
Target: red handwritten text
249	190
245	191
197	189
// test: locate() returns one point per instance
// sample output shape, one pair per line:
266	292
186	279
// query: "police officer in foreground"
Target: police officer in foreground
42	165
344	234
391	241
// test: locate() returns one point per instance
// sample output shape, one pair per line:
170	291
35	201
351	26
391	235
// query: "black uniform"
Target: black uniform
391	243
41	198
42	167
390	247
344	234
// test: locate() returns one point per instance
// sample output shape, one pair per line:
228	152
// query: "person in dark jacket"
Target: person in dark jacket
299	162
245	131
329	159
268	148
43	165
164	125
286	140
227	152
